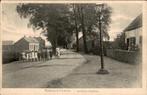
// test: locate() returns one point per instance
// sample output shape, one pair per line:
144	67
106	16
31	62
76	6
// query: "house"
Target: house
26	44
26	48
41	43
7	51
7	45
91	41
88	42
133	34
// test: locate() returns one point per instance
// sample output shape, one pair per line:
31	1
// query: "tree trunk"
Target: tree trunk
77	32
54	47
55	43
83	31
54	50
77	39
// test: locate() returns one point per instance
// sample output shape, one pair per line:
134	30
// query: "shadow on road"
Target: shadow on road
70	58
88	73
39	66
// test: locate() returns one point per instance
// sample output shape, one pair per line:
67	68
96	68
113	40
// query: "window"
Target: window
127	42
31	47
140	39
133	41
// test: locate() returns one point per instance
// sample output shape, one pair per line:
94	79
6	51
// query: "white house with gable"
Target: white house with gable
133	33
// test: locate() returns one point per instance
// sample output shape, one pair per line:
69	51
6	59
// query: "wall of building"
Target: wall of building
33	46
92	45
41	45
81	44
8	53
137	33
21	45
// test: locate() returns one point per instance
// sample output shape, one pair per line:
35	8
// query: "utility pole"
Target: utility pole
101	70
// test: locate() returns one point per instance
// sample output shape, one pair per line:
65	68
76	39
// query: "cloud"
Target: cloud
8	35
10	29
13	25
119	23
114	32
117	17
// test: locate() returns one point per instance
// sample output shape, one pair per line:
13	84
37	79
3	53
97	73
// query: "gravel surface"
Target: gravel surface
39	74
121	75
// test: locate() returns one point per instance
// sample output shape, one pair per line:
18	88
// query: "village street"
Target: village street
104	34
121	75
38	74
71	70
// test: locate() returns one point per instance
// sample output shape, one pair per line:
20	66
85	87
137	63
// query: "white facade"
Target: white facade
33	46
137	33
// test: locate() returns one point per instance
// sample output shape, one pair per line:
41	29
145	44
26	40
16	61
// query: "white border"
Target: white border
87	91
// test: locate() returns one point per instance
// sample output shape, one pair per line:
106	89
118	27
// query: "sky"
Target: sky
14	27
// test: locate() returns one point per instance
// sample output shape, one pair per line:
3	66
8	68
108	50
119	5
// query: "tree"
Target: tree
84	20
120	42
53	19
103	14
83	29
89	16
75	18
58	22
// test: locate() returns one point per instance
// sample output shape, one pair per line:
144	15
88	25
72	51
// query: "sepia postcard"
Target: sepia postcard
67	47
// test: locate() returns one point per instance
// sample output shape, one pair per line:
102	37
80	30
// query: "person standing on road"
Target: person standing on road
58	52
51	54
48	55
27	56
36	56
39	55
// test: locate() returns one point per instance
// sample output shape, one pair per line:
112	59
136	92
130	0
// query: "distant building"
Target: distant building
7	45
7	51
26	44
25	48
91	41
88	42
133	33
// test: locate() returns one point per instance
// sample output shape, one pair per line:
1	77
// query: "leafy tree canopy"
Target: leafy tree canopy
57	20
53	19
